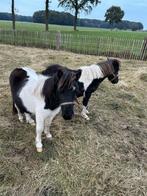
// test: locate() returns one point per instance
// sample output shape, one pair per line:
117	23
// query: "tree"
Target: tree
55	17
114	15
46	14
77	6
13	15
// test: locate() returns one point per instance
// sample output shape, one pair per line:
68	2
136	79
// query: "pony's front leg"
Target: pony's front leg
85	103
48	122
84	113
39	130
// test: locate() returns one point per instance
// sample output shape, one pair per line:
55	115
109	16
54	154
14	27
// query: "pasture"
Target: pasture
105	156
93	41
28	26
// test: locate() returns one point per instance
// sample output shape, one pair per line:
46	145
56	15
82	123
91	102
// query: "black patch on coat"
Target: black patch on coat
18	79
50	93
91	88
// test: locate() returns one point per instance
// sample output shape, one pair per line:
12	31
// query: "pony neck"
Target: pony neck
90	73
106	68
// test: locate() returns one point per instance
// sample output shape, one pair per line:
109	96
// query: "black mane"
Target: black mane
60	81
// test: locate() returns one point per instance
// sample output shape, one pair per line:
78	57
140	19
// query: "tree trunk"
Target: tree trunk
75	20
46	14
13	15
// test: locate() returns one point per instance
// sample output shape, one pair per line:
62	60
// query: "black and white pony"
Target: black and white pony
90	78
43	96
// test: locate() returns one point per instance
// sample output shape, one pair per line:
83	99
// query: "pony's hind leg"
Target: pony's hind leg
47	127
20	116
29	119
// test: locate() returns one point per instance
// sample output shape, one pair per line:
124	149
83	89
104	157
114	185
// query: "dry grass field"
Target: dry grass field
106	156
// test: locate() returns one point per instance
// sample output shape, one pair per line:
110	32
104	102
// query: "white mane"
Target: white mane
89	73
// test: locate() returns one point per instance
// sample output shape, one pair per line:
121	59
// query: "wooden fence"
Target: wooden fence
84	44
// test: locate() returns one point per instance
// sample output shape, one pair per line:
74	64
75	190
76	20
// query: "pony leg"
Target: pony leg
85	103
48	122
47	127
84	110
84	115
20	116
39	130
29	119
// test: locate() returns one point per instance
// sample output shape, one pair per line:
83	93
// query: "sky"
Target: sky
135	10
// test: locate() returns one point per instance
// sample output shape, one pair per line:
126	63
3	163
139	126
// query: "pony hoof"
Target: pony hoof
32	123
21	120
48	136
85	116
39	149
87	112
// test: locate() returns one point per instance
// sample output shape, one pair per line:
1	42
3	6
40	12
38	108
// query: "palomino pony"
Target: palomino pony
43	96
90	77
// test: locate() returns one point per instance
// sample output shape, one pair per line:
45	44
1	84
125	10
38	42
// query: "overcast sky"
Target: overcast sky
135	10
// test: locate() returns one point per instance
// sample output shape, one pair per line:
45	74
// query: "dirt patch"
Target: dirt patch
104	156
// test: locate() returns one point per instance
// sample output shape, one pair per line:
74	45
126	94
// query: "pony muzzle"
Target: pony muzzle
67	109
114	80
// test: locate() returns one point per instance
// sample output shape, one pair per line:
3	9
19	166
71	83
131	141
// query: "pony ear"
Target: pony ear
116	64
78	74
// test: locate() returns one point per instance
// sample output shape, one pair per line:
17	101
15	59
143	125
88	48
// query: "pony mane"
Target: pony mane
107	67
60	81
66	80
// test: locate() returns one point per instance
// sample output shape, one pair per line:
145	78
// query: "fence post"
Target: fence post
144	49
58	40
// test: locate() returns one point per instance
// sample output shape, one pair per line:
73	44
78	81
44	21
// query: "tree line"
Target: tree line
72	5
8	16
65	18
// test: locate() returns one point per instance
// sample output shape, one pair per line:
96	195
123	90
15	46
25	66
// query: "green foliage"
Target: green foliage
8	16
65	18
55	17
114	15
77	6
